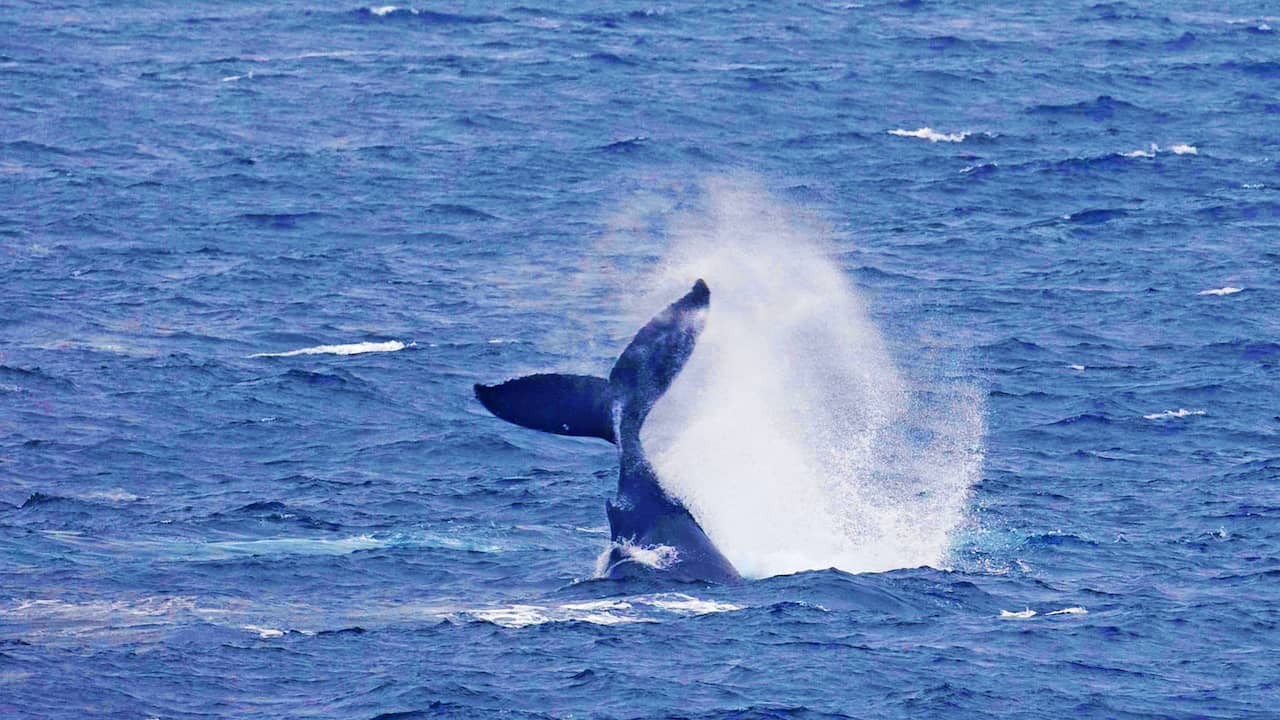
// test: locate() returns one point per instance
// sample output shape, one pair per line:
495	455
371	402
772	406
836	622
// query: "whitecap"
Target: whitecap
1228	290
1153	149
518	616
1077	610
1077	368
1022	615
686	604
926	133
1170	414
116	495
611	611
383	10
349	349
263	632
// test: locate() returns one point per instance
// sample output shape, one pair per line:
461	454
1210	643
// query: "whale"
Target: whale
651	531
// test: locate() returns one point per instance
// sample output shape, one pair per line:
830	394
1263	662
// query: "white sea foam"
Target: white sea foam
185	549
1077	368
1069	611
1153	149
931	135
263	632
1020	615
686	605
1148	153
611	611
790	434
384	10
1171	414
350	349
1228	290
657	557
116	495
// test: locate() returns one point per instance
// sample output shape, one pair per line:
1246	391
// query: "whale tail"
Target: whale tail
584	405
561	404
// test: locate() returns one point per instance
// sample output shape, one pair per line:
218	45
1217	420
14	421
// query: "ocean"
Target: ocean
985	409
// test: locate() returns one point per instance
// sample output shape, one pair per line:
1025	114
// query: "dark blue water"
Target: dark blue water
1029	200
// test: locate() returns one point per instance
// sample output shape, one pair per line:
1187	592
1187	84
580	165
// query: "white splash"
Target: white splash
1149	153
657	557
263	632
1153	149
383	10
117	495
1077	368
1020	615
351	349
931	135
686	605
613	611
1069	611
1171	414
1221	291
790	434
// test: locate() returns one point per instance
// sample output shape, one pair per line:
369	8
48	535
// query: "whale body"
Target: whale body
651	531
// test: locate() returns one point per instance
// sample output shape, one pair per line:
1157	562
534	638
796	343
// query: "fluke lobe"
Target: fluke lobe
651	531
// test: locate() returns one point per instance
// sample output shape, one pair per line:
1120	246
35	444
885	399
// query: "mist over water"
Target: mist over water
791	434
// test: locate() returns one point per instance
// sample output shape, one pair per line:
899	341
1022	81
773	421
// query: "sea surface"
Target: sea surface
986	408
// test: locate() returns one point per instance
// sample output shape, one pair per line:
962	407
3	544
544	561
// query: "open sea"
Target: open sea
986	407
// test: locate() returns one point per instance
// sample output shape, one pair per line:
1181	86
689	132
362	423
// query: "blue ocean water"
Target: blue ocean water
1054	231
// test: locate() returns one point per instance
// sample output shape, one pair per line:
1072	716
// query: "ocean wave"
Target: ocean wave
1101	108
1228	290
1096	216
429	17
933	136
348	349
283	221
1172	414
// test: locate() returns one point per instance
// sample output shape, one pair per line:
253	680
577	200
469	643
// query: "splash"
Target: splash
791	434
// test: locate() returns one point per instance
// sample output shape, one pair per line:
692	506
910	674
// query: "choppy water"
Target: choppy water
254	255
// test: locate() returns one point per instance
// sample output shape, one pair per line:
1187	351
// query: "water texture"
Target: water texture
985	407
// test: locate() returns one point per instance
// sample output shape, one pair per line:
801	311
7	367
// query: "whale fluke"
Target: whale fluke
645	522
561	404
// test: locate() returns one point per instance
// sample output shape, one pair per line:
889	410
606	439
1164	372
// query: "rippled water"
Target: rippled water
255	255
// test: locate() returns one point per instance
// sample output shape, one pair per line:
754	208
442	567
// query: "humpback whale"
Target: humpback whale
644	520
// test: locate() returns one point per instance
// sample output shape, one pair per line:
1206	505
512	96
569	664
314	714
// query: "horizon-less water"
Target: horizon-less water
992	333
